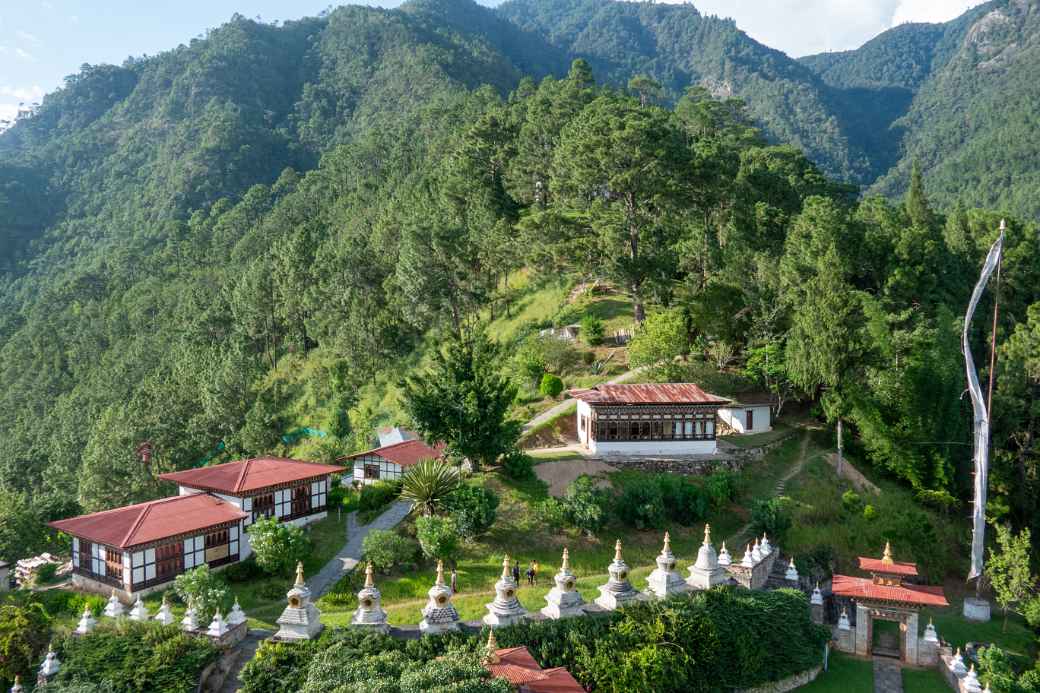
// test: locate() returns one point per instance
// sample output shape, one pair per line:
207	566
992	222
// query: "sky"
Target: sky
42	41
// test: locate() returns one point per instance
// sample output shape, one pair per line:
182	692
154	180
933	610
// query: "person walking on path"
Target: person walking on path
454	581
532	571
516	572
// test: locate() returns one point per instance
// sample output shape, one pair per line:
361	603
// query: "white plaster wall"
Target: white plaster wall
584	410
388	471
654	447
735	418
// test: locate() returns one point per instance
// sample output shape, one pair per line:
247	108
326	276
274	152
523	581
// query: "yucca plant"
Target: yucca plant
427	484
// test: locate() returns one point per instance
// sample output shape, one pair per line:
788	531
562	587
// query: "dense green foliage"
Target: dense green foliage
278	546
133	657
204	591
24	633
473	508
438	537
386	549
729	639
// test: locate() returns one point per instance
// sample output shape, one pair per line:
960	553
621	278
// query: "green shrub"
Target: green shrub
538	355
551	513
243	571
386	549
378	495
438	537
45	573
551	385
518	465
136	658
592	330
278	667
772	517
869	513
588	357
203	590
641	505
277	546
586	505
721	488
24	634
1031	612
851	501
685	502
473	508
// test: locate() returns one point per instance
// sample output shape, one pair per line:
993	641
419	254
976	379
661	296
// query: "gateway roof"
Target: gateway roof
647	393
518	667
143	523
244	476
865	588
405	454
880	565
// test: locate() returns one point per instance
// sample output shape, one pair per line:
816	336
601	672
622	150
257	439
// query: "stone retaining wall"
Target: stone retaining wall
788	684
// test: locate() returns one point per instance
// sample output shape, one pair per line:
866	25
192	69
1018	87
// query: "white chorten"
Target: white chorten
756	553
817	595
190	622
139	612
17	687
706	572
843	621
217	627
300	620
725	560
86	622
236	616
765	547
506	609
439	614
50	664
971	681
665	581
114	607
748	561
792	572
563	600
369	613
165	616
617	591
957	664
930	634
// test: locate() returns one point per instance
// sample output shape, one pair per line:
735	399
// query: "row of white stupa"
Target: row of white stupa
114	609
564	600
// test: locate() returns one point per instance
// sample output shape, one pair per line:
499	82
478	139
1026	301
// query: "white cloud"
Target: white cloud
25	55
26	94
802	27
28	38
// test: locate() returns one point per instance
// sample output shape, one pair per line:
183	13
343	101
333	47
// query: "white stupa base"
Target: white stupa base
427	628
977	610
706	579
371	621
299	624
500	617
563	604
662	584
611	598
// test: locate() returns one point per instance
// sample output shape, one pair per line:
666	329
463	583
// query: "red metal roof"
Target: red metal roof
405	454
864	588
244	476
132	525
647	393
877	565
518	667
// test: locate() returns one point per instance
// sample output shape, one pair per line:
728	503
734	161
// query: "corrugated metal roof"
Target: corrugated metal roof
406	453
250	475
647	393
143	523
865	588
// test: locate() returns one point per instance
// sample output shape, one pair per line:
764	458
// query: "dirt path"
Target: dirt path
558	409
781	485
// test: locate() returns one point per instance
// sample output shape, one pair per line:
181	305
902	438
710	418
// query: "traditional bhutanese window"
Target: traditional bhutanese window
233	537
301	501
372	471
319	491
282	502
97	559
194	552
113	562
217	545
687	429
263	506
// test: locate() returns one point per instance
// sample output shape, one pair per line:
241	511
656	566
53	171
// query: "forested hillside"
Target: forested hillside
270	227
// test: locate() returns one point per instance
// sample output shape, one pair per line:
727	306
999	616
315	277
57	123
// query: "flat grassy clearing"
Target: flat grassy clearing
545	456
845	674
1017	640
924	681
756	440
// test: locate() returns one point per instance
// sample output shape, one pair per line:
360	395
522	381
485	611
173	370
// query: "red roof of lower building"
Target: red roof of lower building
518	667
144	523
647	393
404	454
865	588
245	476
878	565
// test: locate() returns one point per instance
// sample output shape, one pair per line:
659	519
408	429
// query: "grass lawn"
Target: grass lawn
756	440
554	456
1017	640
924	681
845	674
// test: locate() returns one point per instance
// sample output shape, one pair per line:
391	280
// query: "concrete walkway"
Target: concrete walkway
888	675
350	555
558	409
246	651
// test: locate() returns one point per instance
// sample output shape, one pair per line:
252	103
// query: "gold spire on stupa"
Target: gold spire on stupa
617	551
491	649
566	564
440	572
369	582
887	557
707	534
299	574
667	544
505	567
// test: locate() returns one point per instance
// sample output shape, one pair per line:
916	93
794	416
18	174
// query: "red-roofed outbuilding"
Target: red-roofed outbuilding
389	462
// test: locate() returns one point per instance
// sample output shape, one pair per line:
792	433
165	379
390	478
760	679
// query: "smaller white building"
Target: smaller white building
5	576
389	462
648	419
747	416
